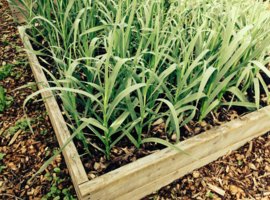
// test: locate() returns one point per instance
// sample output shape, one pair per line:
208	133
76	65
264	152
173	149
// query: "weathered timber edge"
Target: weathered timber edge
152	172
70	153
148	174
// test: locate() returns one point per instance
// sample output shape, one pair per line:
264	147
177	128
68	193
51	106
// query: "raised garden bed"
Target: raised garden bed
148	174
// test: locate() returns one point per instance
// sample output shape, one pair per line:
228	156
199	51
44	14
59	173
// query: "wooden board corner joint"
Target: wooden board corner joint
148	174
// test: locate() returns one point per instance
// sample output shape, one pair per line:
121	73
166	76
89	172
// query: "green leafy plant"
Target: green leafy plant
22	124
2	99
121	65
57	193
2	167
5	101
210	195
2	155
5	71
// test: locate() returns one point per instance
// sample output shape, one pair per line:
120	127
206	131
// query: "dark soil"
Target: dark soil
241	174
125	153
95	162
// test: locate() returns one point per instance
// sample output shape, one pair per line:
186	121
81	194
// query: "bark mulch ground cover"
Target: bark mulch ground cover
22	152
243	174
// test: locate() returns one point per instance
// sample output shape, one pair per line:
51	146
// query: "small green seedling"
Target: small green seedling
56	192
240	162
2	155
21	124
5	71
5	101
2	99
2	167
210	195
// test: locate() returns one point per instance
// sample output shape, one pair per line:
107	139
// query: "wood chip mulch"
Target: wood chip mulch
242	174
23	152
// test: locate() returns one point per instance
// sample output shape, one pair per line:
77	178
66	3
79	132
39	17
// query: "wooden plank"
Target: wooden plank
150	173
70	153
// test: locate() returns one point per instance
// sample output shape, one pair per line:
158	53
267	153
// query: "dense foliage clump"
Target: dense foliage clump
119	65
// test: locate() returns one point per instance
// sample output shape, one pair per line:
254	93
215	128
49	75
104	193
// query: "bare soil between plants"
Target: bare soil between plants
241	174
124	152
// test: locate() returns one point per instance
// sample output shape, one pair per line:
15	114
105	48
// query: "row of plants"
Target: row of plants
120	65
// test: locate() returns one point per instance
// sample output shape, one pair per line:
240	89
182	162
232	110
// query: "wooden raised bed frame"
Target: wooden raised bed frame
148	174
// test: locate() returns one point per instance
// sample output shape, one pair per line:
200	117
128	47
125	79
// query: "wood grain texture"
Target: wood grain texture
70	153
150	173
